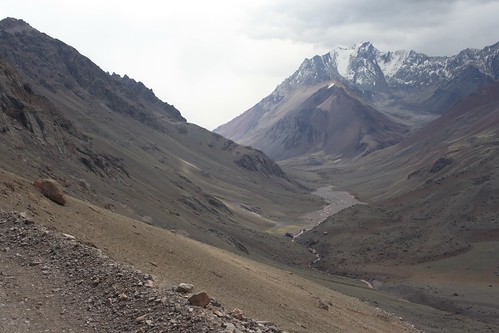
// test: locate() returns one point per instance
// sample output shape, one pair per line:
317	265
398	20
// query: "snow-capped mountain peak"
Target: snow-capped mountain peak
367	68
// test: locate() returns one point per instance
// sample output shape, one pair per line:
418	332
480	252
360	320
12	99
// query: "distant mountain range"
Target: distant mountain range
407	87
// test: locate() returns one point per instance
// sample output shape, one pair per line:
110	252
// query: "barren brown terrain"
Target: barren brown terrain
407	236
429	231
261	291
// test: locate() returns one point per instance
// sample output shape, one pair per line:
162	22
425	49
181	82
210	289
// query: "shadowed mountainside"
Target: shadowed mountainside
109	140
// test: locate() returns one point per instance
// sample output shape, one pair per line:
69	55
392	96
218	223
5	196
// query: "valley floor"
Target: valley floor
285	297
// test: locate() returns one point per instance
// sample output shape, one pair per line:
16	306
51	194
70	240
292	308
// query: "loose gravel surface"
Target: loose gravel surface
336	202
49	282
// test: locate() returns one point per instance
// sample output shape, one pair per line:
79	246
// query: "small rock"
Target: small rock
95	281
122	297
200	299
68	236
216	303
141	318
323	305
230	328
184	288
237	313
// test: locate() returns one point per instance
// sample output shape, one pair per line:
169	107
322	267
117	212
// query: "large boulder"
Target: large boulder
200	299
52	190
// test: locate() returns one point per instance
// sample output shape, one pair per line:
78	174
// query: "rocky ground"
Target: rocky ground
49	282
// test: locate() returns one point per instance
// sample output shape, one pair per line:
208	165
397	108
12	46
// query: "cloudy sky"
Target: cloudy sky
215	59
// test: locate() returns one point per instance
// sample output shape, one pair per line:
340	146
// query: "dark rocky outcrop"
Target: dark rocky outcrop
260	163
440	164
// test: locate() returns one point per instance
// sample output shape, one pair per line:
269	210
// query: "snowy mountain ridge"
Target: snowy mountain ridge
365	67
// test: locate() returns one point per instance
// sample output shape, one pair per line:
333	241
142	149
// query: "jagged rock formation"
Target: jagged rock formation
365	67
59	67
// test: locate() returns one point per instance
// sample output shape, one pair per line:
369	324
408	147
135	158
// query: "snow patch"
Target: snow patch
342	57
390	62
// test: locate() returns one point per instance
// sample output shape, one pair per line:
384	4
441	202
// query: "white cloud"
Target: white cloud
214	59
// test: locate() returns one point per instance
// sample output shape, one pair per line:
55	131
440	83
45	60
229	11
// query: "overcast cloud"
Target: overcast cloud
215	59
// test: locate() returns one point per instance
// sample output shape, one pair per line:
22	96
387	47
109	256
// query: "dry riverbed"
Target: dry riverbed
336	202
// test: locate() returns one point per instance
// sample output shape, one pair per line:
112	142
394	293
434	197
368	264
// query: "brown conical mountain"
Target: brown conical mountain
321	119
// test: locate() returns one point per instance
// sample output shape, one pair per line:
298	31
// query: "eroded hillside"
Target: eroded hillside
109	140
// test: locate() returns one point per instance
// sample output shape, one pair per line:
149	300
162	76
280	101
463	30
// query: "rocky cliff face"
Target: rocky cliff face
27	118
48	66
56	66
